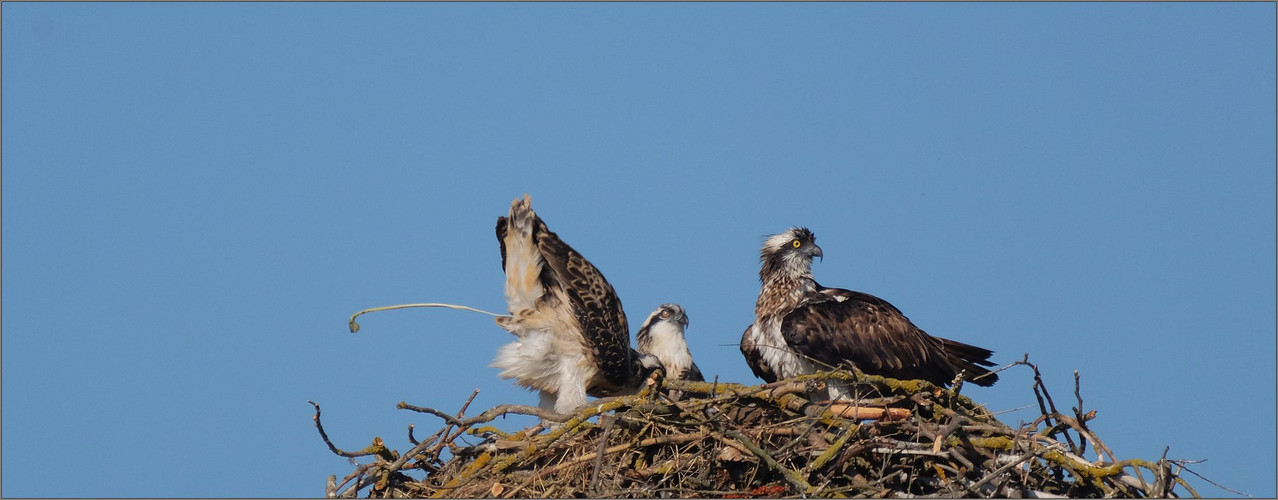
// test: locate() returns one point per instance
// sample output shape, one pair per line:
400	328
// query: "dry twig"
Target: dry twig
906	437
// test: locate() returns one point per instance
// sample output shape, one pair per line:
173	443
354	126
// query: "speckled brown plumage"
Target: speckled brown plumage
574	288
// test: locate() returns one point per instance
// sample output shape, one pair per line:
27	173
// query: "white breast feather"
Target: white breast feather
668	344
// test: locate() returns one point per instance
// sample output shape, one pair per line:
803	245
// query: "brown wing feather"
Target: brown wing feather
501	239
598	309
836	326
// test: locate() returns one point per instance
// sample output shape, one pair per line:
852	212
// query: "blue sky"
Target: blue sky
196	196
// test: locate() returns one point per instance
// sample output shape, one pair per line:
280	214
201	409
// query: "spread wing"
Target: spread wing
592	300
754	358
836	326
598	310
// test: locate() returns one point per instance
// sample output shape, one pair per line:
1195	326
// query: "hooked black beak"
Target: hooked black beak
816	252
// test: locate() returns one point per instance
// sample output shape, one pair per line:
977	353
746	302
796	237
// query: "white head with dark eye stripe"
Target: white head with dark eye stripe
661	335
789	254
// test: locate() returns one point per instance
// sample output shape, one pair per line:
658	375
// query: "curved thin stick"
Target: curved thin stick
355	326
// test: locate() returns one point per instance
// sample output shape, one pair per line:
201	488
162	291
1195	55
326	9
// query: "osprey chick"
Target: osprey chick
799	324
573	340
661	335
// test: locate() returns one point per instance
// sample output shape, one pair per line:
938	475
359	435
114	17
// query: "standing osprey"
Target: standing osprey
661	335
800	324
573	339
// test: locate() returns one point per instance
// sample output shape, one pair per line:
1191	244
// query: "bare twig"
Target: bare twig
977	485
789	474
603	440
490	414
765	440
420	447
324	435
1200	476
1039	387
355	326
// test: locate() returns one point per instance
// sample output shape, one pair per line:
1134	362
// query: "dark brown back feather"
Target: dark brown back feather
836	326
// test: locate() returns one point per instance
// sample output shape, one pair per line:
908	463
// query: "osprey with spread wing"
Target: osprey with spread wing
573	339
800	325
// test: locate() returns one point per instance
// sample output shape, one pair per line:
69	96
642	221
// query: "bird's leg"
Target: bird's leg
570	399
546	400
572	384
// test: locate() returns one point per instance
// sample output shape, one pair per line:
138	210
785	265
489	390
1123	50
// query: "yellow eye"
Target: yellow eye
796	243
665	314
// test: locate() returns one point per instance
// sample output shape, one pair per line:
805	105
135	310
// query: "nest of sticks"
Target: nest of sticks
712	439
